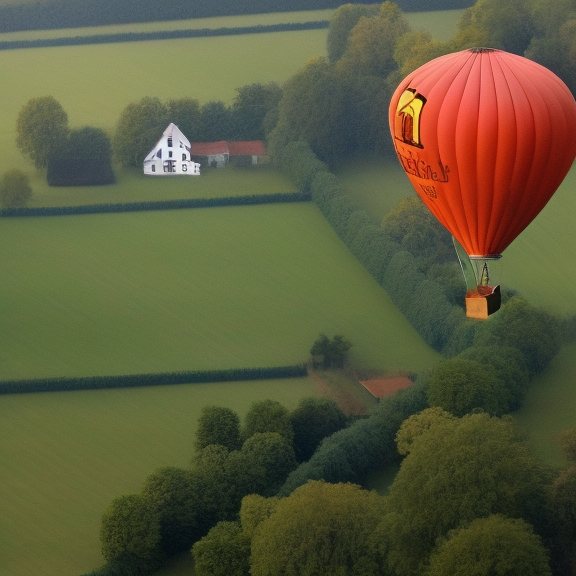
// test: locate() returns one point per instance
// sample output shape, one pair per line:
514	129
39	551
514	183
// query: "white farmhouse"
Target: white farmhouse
171	155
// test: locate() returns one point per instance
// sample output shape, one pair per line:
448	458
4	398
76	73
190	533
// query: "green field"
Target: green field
78	296
65	455
188	290
375	184
550	407
132	186
189	24
81	299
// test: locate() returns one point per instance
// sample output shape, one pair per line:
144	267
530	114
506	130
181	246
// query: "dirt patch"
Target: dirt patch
347	403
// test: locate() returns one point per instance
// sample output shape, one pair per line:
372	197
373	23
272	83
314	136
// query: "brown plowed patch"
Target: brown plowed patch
382	387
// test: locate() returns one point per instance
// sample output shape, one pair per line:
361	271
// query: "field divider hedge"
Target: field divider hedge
181	204
156	379
161	35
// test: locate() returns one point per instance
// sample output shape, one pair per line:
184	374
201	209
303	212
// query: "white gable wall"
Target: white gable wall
171	155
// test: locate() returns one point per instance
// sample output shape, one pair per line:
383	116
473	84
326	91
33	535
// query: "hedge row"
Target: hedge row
141	380
161	35
157	205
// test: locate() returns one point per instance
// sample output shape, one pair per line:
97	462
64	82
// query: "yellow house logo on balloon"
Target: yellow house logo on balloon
408	112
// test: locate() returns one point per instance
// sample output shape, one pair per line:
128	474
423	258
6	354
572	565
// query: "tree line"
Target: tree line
339	104
456	504
176	507
52	14
84	156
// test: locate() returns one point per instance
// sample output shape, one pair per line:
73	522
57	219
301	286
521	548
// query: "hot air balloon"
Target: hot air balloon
485	137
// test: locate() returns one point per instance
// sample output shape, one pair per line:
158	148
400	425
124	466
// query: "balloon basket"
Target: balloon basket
479	305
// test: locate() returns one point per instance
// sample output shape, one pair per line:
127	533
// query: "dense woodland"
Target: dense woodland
281	494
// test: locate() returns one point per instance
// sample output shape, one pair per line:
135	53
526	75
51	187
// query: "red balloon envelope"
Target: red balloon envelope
486	137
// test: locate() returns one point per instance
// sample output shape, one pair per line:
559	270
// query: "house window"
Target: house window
184	156
170	142
153	168
170	154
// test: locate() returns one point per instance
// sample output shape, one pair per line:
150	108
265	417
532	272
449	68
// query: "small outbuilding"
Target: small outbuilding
220	154
213	154
382	387
247	152
171	155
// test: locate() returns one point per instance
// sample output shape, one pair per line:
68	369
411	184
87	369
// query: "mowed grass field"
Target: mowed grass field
65	455
132	186
188	290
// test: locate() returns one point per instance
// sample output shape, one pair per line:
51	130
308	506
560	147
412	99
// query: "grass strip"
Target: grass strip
161	35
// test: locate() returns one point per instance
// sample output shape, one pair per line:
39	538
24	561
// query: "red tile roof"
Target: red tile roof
247	148
386	386
209	148
243	148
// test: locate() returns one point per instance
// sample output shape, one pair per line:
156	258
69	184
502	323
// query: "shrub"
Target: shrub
15	189
85	159
463	386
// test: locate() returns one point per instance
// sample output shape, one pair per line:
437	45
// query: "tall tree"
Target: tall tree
507	25
185	113
85	159
312	109
371	44
250	107
268	416
330	353
341	24
319	529
254	510
218	425
462	386
224	551
41	127
172	493
458	470
216	122
139	127
492	546
510	366
533	331
313	420
413	226
274	454
130	531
